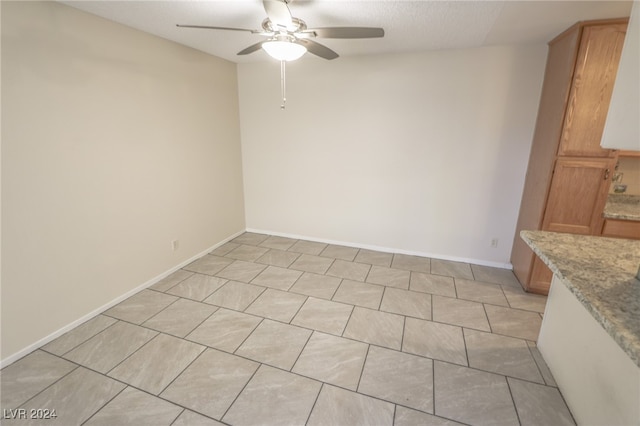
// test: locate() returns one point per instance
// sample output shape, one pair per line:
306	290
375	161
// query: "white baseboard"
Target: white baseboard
21	353
385	249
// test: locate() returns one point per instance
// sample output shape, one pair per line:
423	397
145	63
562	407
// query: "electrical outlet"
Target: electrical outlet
494	243
175	245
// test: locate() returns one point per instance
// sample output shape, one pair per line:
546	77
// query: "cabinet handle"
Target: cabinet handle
606	174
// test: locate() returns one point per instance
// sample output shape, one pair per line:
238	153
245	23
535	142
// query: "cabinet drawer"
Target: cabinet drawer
621	229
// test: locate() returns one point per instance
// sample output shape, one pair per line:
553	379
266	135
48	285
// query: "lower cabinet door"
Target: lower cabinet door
577	196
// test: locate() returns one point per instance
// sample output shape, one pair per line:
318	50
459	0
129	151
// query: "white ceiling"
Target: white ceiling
410	26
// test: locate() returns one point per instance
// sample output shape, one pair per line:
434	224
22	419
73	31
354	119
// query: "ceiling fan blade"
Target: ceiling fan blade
347	32
206	27
278	13
318	49
251	49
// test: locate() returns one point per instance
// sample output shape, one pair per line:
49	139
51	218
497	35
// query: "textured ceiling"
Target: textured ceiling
410	26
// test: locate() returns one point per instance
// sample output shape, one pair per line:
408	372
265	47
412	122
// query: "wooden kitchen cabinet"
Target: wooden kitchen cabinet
629	229
595	72
577	196
569	174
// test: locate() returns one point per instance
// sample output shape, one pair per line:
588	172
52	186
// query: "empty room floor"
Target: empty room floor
268	330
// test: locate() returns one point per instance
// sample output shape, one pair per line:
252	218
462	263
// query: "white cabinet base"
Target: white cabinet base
598	380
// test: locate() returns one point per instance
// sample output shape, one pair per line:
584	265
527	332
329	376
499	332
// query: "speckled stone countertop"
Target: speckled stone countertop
600	272
622	206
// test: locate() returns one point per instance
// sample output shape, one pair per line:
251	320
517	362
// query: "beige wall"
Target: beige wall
423	153
114	143
630	169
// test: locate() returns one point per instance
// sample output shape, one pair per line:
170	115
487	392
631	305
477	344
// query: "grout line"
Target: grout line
131	354
433	387
513	401
178	416
364	363
242	390
54	382
104	405
315	402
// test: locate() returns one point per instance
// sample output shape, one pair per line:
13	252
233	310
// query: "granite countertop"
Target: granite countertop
622	206
600	272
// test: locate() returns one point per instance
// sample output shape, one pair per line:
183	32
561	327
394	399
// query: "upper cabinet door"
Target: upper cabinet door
595	73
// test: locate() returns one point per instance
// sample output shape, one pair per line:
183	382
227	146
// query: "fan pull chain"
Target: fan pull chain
283	84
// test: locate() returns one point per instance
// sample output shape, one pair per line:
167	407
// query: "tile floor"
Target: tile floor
267	330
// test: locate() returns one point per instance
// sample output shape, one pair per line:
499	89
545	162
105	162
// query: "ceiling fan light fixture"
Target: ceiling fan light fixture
284	50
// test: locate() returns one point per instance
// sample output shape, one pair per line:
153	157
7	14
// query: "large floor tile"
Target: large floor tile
389	277
337	406
349	270
141	306
472	396
280	258
323	315
539	405
434	340
340	252
379	328
276	277
191	418
332	359
211	383
308	247
433	284
78	335
225	330
251	238
542	365
480	292
312	263
494	275
29	375
242	271
279	243
460	312
169	281
75	397
502	355
359	293
514	322
197	287
246	252
374	257
224	249
408	417
181	317
160	361
208	264
235	295
411	263
274	397
321	286
519	299
398	377
277	305
409	303
134	407
451	269
110	347
275	344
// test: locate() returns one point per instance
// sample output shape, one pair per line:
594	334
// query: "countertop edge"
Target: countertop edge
625	342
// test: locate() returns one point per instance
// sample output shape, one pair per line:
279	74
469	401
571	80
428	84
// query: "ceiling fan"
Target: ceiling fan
289	38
